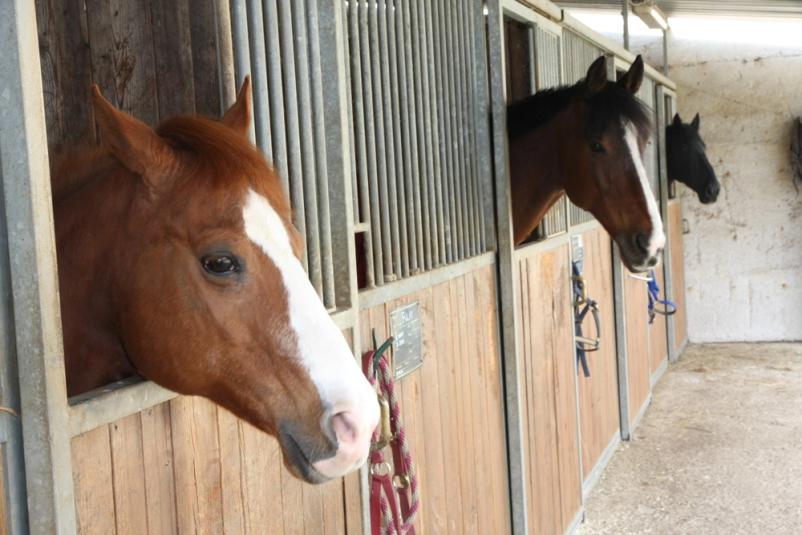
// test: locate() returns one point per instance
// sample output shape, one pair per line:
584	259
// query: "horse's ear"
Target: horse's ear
677	121
238	116
596	79
138	147
634	76
695	122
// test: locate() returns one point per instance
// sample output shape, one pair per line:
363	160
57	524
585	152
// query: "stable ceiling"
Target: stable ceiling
783	8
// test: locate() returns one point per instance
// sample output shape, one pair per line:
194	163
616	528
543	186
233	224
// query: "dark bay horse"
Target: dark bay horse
178	261
687	161
587	140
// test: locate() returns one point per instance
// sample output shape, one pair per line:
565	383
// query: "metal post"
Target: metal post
625	15
508	286
34	277
665	52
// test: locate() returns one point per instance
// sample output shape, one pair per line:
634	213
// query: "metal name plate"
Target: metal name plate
407	347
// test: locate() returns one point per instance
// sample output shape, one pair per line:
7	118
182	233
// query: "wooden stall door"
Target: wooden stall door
598	394
677	273
453	405
188	466
638	355
548	391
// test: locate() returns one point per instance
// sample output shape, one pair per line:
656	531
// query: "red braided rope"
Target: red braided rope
397	515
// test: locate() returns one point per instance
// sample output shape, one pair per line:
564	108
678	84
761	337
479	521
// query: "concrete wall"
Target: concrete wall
743	254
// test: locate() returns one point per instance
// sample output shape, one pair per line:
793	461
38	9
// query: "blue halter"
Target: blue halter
654	298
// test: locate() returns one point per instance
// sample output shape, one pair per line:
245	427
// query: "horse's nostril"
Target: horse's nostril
652	261
642	242
344	427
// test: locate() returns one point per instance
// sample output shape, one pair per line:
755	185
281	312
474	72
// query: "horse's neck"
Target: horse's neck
88	218
536	180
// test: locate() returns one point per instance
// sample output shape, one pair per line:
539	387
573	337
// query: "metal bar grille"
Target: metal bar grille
413	102
278	44
579	54
548	67
646	95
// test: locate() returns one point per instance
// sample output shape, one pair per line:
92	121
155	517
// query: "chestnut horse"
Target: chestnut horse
587	140
178	261
687	161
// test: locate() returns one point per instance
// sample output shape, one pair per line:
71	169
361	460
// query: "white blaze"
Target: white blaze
657	239
322	349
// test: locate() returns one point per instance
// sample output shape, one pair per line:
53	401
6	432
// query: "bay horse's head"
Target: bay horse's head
602	162
687	161
210	297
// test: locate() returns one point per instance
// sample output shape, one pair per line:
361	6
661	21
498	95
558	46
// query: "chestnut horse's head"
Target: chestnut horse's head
210	297
687	161
604	170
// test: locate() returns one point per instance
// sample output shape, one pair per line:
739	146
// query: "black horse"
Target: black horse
687	161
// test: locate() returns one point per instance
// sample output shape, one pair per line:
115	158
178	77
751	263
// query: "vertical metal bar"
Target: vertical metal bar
261	95
390	266
508	282
427	133
349	89
324	218
433	77
294	164
388	139
360	143
469	236
453	67
445	137
665	52
485	183
239	34
276	85
378	238
475	148
625	16
394	116
308	160
44	411
410	161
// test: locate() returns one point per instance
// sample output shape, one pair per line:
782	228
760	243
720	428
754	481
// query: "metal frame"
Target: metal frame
34	280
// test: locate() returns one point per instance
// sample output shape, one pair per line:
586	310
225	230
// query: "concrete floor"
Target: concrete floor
718	452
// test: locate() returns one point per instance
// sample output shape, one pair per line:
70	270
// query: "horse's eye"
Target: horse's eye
597	147
220	264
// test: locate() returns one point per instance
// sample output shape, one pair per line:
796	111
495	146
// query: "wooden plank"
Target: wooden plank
333	507
598	394
66	69
353	504
172	45
636	299
678	272
261	479
292	501
158	470
206	78
462	400
128	464
494	406
231	473
122	56
94	493
452	437
196	456
433	476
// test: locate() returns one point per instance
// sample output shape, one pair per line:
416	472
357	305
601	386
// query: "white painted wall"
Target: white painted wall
743	255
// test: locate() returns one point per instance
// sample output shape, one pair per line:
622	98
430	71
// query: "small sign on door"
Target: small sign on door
407	347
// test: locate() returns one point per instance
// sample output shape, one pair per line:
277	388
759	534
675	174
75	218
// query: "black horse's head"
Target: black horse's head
687	161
